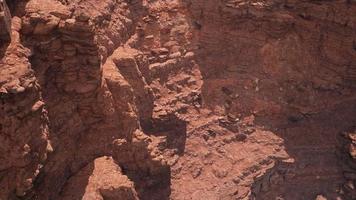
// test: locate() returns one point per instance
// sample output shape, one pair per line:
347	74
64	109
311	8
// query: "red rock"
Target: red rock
203	99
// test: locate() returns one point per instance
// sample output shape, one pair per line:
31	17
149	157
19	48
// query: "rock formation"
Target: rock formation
177	99
5	22
102	179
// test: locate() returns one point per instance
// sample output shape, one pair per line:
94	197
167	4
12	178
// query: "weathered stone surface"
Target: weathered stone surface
5	22
100	179
24	121
180	99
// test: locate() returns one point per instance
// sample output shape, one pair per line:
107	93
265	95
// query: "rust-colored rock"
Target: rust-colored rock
101	179
177	99
5	22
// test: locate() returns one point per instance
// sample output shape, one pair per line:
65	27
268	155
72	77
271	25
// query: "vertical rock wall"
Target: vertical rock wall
146	99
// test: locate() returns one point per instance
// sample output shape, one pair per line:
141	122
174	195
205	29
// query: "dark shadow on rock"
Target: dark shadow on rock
314	144
76	184
151	187
152	179
232	67
5	27
172	128
3	47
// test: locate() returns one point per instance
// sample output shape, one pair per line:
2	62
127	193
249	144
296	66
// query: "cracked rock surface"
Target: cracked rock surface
177	99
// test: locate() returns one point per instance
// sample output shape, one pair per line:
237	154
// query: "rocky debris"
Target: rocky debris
274	177
139	156
144	164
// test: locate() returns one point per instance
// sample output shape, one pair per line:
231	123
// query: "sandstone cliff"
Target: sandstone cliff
177	99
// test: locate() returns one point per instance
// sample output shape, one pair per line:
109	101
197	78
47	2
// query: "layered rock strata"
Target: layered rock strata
146	99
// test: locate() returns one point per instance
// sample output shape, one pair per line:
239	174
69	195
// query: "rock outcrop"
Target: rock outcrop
100	179
177	99
5	22
348	158
24	120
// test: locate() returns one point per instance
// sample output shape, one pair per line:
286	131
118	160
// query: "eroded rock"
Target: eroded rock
5	22
215	99
100	179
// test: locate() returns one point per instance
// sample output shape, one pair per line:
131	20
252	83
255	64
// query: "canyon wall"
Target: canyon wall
177	99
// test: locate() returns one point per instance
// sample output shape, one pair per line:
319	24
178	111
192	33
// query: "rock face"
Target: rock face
177	99
5	22
101	179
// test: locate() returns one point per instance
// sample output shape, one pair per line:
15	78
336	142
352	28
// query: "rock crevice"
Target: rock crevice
181	99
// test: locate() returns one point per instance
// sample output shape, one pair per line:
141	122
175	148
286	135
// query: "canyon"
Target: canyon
177	99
